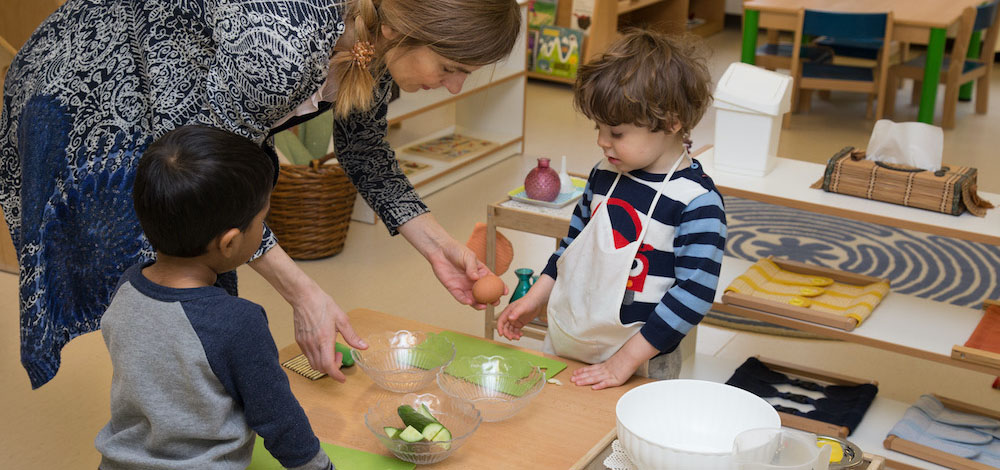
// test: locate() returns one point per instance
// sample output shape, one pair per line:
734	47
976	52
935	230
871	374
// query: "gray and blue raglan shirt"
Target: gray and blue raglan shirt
196	378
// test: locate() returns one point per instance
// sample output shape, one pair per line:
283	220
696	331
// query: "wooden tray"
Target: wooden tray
977	356
874	462
933	455
803	313
832	378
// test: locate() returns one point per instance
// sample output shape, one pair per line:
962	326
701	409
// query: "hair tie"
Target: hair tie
363	52
688	143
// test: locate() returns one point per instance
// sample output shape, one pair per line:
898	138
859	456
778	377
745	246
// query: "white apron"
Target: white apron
584	307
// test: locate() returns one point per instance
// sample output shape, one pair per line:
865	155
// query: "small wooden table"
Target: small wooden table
914	21
563	427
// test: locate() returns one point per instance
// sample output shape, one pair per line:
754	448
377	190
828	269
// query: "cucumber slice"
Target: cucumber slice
412	417
432	430
424	410
391	431
443	436
347	360
410	434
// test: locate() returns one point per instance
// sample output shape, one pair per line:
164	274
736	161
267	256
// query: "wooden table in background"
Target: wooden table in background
914	21
563	427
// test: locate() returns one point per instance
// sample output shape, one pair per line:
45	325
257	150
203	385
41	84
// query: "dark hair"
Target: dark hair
196	182
646	79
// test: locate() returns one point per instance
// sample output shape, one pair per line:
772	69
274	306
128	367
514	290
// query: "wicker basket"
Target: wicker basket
311	209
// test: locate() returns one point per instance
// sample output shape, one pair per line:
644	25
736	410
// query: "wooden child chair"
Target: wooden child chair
820	76
773	54
954	73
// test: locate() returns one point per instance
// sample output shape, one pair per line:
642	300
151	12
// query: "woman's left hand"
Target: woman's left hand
454	264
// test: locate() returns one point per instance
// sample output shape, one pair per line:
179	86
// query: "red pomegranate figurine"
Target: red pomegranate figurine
542	182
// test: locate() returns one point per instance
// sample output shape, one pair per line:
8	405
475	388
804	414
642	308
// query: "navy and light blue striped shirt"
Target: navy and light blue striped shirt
676	271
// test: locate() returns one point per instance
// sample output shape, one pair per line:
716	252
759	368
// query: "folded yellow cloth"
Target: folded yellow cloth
766	280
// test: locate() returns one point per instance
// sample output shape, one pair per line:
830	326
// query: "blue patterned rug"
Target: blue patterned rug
927	266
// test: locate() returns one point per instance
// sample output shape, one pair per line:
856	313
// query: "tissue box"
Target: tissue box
951	190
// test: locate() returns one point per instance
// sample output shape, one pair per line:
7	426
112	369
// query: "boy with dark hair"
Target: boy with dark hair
196	372
640	263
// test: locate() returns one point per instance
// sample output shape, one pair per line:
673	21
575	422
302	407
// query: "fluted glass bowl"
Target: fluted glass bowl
457	415
498	386
404	361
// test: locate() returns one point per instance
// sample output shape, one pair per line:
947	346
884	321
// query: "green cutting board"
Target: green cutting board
342	457
470	346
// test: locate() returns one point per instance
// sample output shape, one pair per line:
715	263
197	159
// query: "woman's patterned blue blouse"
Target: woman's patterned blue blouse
98	81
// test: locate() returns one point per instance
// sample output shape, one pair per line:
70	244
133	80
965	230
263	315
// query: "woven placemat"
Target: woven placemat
300	365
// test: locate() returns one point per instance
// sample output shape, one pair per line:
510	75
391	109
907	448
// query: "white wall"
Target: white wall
734	7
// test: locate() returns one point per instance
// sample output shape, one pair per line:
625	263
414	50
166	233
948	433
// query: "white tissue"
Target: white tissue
906	143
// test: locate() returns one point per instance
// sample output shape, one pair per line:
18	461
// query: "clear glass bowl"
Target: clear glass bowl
457	415
404	361
498	386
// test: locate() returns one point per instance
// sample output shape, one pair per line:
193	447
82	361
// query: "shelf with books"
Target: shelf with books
706	17
602	19
455	149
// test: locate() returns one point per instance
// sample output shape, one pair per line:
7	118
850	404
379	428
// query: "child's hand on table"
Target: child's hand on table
619	367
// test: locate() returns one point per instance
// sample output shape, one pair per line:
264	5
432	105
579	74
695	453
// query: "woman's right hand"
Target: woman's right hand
318	319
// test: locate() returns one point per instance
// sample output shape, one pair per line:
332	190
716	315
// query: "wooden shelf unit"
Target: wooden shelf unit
902	323
669	16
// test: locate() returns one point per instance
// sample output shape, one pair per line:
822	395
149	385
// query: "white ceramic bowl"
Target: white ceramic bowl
688	424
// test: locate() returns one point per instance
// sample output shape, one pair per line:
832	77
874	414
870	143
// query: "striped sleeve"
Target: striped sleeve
581	216
699	244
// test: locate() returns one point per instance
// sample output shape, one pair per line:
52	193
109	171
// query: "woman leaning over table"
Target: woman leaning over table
98	81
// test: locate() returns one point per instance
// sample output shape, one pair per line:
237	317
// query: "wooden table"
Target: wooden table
914	21
563	427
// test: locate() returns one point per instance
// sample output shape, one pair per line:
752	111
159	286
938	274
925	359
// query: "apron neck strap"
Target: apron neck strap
659	191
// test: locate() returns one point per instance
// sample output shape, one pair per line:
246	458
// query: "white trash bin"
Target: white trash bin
749	103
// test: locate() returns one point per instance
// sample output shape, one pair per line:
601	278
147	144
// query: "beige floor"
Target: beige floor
54	427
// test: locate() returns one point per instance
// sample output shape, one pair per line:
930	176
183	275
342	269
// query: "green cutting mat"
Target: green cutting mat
342	457
470	346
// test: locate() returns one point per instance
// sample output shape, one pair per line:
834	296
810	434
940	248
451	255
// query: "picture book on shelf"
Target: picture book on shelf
541	13
583	13
450	147
557	51
532	37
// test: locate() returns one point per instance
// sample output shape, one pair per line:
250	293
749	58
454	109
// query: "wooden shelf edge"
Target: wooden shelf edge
551	78
975	356
468	161
835	333
707	29
454	98
625	6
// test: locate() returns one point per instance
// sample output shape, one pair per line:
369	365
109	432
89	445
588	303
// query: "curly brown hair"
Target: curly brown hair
646	79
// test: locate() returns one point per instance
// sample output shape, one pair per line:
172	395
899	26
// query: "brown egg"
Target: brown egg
488	289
